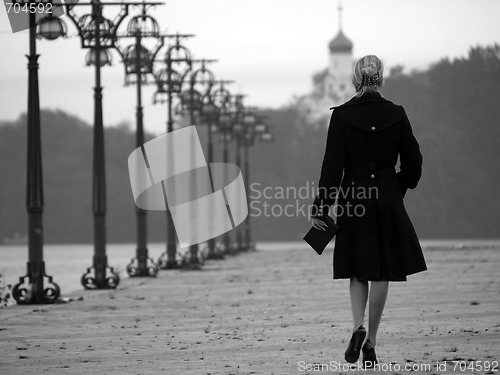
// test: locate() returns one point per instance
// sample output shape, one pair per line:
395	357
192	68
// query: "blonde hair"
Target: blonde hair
368	66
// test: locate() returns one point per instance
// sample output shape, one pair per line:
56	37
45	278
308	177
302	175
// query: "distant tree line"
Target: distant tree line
453	107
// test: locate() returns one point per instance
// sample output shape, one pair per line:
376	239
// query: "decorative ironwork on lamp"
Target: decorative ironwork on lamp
138	63
31	288
169	80
99	34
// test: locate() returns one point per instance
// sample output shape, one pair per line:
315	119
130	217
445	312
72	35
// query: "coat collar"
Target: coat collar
365	98
371	117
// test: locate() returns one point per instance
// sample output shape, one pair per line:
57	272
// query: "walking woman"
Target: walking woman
376	242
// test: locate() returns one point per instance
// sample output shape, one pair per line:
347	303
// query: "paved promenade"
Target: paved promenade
266	312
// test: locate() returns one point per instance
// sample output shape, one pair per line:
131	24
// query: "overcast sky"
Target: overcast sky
270	48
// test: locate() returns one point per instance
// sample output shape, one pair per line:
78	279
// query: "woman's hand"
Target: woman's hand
319	224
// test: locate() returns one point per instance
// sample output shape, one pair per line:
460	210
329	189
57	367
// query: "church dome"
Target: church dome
340	43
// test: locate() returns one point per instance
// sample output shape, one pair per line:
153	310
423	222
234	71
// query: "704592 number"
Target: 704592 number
475	366
32	8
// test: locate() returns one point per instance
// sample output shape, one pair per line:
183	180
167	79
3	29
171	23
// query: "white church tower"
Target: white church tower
340	64
332	86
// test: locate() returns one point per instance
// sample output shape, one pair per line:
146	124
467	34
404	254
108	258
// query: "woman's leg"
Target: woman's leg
359	296
378	296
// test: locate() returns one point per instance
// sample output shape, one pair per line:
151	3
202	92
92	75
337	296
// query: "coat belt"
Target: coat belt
370	171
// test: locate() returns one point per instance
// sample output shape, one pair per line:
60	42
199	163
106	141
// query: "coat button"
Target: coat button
372	176
374	128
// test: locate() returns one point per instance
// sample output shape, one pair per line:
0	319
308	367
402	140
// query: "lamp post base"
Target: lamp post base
192	258
238	243
34	292
209	249
96	276
167	263
190	266
213	250
142	266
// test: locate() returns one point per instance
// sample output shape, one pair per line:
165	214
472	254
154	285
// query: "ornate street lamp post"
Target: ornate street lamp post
138	62
194	99
169	83
252	127
208	117
99	34
222	98
212	102
50	28
246	140
238	130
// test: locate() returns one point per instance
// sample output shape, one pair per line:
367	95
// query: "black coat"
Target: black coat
376	239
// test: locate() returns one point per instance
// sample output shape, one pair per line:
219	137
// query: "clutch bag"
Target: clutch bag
319	239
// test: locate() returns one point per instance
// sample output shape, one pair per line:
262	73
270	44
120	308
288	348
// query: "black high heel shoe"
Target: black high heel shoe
369	356
351	354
